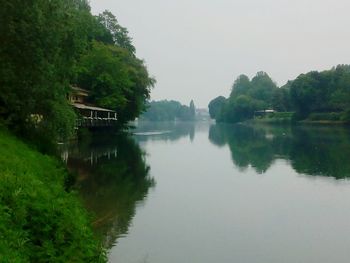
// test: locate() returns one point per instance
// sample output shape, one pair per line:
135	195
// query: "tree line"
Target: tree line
165	110
313	96
49	46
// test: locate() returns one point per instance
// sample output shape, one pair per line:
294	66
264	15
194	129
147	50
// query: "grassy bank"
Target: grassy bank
275	118
40	221
330	118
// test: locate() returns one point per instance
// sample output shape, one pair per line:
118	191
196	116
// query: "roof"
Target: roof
86	107
80	91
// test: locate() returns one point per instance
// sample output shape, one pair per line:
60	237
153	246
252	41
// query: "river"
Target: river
203	193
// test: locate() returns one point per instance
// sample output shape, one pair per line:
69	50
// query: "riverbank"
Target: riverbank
313	119
41	220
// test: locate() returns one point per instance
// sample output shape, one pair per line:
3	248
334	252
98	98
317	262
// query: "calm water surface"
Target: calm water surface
198	193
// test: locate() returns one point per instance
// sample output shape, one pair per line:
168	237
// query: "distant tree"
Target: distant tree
162	110
241	86
185	113
281	99
245	98
241	108
322	92
340	98
307	95
192	110
215	106
167	111
325	95
263	88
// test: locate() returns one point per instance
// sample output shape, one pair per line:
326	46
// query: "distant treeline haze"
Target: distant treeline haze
165	110
314	96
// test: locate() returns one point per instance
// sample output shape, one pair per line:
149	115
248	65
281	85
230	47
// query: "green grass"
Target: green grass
275	118
327	116
39	220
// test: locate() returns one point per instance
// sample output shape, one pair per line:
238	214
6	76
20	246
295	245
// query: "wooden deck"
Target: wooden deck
91	116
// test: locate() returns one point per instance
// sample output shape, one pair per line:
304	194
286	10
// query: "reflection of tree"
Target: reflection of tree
249	147
313	151
113	186
323	151
217	134
168	131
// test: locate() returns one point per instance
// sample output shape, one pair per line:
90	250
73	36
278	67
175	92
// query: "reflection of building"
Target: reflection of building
264	112
90	115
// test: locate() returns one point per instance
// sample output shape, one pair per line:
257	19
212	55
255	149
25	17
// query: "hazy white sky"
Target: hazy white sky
196	48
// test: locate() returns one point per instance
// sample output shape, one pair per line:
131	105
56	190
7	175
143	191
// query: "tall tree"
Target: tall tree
245	98
40	42
192	110
120	34
241	86
215	106
263	88
116	80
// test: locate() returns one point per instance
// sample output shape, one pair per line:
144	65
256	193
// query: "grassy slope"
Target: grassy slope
39	220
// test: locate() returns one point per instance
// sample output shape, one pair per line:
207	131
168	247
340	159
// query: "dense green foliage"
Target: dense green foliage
247	96
215	107
115	77
40	41
315	96
322	92
40	221
48	46
165	110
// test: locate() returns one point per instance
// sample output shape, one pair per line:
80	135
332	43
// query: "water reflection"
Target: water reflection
113	180
321	151
165	131
204	207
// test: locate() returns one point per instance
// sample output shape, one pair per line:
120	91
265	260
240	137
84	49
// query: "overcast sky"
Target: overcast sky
196	48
